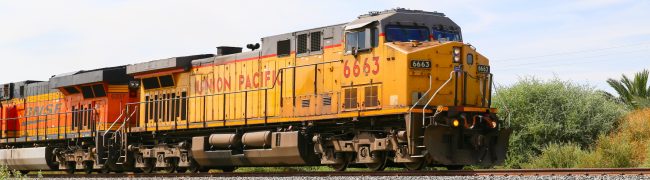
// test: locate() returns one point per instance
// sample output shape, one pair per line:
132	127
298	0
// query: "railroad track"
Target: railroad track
497	172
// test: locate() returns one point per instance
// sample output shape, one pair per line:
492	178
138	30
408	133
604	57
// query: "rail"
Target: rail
569	173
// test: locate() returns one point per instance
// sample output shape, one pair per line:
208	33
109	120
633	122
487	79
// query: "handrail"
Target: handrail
128	118
435	93
49	114
113	124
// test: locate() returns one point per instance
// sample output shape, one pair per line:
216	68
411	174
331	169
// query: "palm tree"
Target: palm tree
635	92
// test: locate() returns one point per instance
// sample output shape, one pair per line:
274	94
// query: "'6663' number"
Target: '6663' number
420	64
355	69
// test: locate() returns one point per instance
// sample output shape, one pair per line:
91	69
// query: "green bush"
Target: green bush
557	155
541	112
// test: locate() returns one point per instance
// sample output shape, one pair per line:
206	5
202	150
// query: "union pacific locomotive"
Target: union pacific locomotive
391	88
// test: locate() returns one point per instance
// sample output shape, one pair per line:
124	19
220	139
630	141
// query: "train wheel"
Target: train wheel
149	165
415	166
24	172
345	161
381	159
88	167
70	167
172	165
455	167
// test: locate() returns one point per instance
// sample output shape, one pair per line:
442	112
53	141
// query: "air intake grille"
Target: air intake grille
302	44
315	41
327	101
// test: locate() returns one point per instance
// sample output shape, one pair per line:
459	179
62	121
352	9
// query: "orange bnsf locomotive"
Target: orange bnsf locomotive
391	88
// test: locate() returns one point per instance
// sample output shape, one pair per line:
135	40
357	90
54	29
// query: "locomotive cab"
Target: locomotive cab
417	60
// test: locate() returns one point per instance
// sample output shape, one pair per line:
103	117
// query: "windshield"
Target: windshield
406	33
446	36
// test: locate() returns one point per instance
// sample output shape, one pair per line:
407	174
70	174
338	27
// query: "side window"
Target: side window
315	39
87	91
470	59
350	41
284	48
361	40
99	90
375	37
302	44
71	90
166	81
355	40
151	83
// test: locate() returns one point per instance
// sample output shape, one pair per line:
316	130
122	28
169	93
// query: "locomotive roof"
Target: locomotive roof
14	88
332	35
38	88
112	75
164	64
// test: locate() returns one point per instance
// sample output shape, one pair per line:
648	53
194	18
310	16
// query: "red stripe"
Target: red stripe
382	34
171	71
260	57
332	46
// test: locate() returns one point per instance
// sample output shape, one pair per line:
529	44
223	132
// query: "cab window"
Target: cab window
355	40
406	33
441	35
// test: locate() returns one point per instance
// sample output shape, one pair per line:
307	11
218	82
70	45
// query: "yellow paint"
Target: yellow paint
250	98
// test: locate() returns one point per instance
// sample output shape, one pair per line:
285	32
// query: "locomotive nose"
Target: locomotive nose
451	146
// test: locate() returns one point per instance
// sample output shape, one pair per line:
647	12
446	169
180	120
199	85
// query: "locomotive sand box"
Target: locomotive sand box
397	87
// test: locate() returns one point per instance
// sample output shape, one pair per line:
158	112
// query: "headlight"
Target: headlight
456	54
455	123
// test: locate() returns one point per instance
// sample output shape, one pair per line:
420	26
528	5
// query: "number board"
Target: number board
420	64
483	69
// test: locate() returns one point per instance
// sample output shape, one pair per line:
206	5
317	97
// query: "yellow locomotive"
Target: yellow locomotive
396	87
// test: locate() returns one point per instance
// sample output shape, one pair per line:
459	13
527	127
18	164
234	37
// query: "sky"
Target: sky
584	41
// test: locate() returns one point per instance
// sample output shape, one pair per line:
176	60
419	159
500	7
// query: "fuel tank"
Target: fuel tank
39	158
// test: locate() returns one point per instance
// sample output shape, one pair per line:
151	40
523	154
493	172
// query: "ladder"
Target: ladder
115	141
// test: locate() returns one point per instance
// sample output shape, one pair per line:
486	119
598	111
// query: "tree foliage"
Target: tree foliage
633	92
541	112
